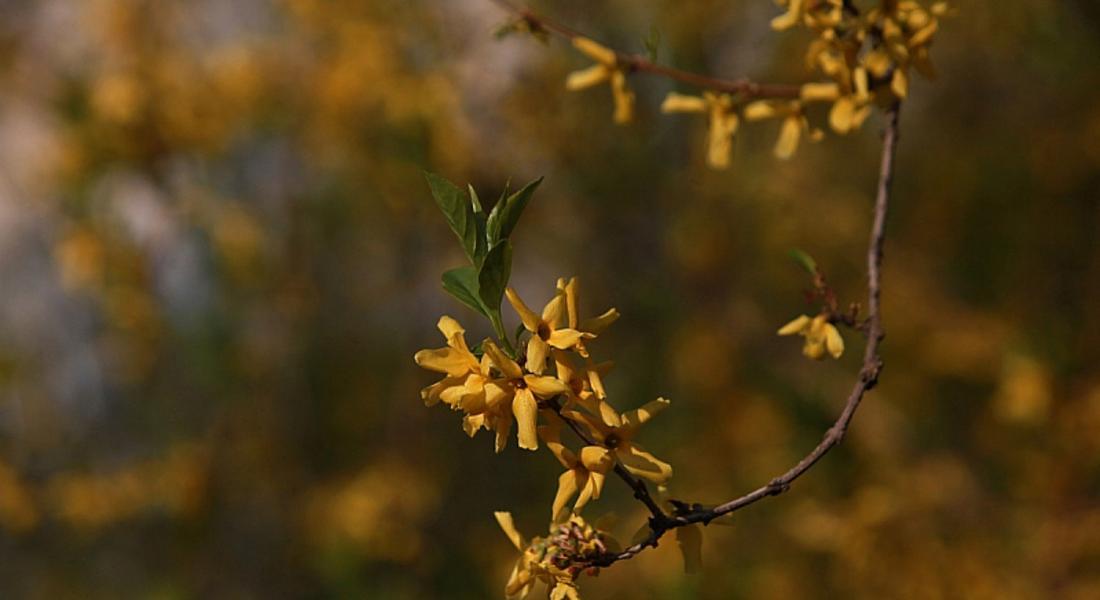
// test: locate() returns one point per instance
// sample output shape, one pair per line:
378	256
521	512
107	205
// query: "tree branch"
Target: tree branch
868	375
638	63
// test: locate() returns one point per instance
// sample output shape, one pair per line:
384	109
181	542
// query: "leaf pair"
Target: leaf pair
484	240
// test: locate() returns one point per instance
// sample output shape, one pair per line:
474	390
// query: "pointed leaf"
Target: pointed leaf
462	284
506	213
803	259
481	243
458	212
493	276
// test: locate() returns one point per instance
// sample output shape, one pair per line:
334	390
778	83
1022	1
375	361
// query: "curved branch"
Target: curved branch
868	375
638	63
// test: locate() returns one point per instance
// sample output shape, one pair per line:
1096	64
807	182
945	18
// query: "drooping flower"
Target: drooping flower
584	475
546	329
616	433
794	123
821	336
722	121
607	68
518	395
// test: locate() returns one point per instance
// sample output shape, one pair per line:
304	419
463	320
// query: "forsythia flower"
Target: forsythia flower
820	334
585	474
455	360
606	68
722	121
616	433
591	327
555	559
522	389
794	124
546	330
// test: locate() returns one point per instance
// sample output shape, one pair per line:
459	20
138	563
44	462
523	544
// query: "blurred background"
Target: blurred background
218	256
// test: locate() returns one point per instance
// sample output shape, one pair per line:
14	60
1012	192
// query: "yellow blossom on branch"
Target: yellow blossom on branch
519	393
821	336
546	329
616	433
585	472
607	68
556	559
722	121
794	124
589	328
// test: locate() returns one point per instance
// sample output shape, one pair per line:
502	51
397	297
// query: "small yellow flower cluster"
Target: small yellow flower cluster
556	559
865	55
607	68
821	336
496	389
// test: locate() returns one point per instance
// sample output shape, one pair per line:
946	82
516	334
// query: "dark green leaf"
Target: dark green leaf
462	284
458	212
492	278
505	215
481	242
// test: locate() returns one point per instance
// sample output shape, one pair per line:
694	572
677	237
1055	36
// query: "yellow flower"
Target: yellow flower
546	330
722	119
521	389
556	559
794	123
607	68
585	384
525	572
820	334
589	328
585	473
455	360
616	433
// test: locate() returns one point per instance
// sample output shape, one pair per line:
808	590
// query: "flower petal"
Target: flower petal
563	339
526	411
530	320
623	96
596	325
596	458
568	484
681	103
504	519
586	78
633	419
796	326
643	464
789	135
537	350
445	360
501	361
545	386
554	310
595	51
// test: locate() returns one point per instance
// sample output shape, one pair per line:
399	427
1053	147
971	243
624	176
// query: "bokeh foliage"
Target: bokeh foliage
218	255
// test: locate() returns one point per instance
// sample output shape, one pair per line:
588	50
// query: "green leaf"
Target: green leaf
459	213
462	284
803	259
493	275
506	213
481	242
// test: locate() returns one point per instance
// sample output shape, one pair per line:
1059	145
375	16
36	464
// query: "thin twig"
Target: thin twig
743	87
868	374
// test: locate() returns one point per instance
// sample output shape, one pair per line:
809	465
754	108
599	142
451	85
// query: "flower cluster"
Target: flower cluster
556	559
865	56
494	387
